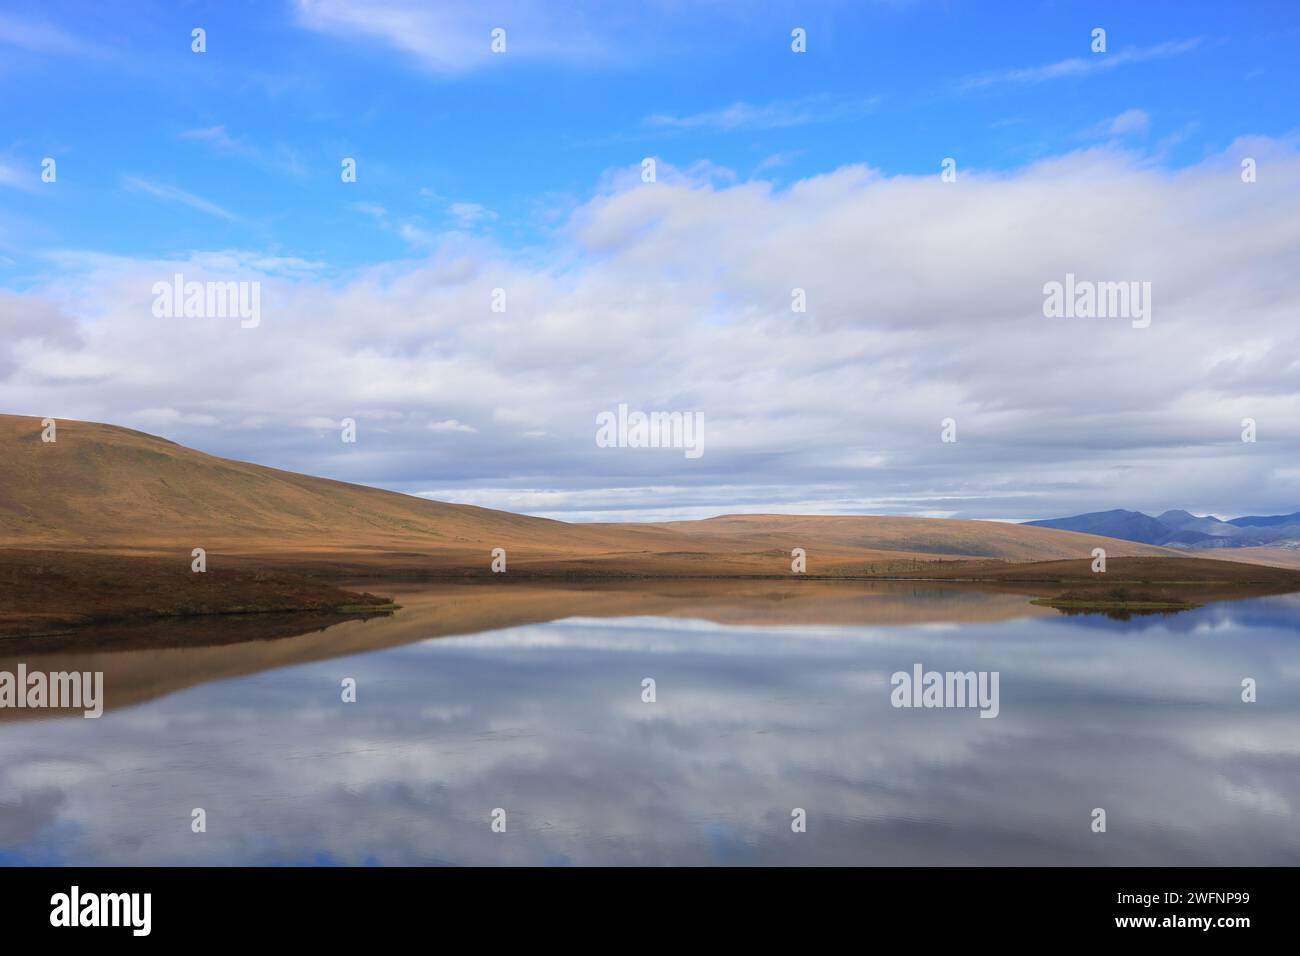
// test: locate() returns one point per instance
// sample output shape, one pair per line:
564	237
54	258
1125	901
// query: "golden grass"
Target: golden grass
109	489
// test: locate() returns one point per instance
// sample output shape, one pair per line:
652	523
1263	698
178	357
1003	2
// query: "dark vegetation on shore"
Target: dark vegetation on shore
1135	585
45	592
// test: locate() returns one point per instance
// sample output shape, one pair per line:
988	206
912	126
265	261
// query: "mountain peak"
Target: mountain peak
1181	528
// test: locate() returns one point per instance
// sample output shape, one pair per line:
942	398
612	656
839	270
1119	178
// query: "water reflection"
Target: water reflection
541	714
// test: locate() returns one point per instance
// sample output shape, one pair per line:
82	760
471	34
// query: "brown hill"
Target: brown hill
101	487
1275	557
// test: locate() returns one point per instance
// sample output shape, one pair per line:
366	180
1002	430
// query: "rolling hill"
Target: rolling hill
106	488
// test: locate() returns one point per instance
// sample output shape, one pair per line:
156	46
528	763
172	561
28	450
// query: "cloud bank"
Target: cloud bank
924	302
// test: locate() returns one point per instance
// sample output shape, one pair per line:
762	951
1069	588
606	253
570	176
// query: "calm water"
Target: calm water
545	719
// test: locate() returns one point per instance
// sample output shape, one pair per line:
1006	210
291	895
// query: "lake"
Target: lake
526	706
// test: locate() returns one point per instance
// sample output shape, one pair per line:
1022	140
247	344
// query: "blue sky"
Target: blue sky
520	169
257	125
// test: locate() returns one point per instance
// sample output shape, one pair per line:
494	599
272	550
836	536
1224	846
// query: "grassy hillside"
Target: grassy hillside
107	488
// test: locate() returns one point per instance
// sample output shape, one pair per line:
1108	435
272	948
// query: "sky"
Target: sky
523	171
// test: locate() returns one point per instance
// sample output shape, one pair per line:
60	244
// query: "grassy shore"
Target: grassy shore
1134	585
48	592
45	592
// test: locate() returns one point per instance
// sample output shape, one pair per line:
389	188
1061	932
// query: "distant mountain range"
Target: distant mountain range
1182	529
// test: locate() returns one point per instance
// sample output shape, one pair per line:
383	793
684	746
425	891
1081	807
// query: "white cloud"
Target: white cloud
451	425
1081	65
176	195
456	38
166	417
924	302
277	157
777	160
39	37
27	322
780	114
1130	122
15	178
469	214
411	230
416	234
216	135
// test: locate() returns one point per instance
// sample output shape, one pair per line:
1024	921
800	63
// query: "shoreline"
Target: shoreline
47	592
